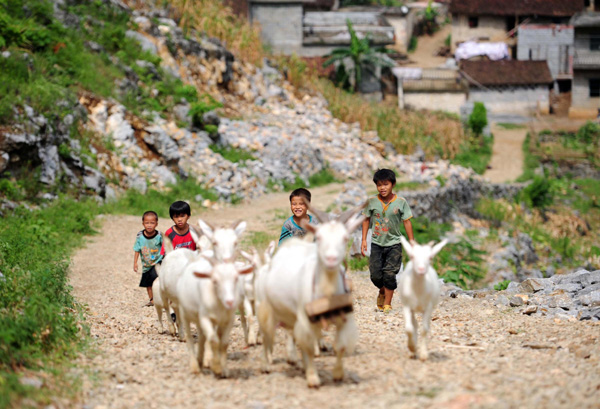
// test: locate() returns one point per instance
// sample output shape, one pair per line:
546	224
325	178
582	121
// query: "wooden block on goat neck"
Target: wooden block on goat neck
326	307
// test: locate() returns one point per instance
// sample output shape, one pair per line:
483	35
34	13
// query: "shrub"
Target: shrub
589	133
478	118
538	193
502	285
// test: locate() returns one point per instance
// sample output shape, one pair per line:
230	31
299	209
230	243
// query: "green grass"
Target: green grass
530	163
475	155
258	239
234	155
40	321
508	125
135	203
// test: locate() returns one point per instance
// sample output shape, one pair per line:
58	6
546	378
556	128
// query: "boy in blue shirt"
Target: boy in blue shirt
148	245
291	227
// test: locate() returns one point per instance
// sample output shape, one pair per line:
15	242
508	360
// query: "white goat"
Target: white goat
159	304
224	240
221	242
250	305
301	272
209	293
419	290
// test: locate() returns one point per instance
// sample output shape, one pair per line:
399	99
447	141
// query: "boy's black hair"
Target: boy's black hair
300	192
384	175
179	207
152	212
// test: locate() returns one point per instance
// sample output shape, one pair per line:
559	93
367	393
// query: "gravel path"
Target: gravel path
482	356
506	163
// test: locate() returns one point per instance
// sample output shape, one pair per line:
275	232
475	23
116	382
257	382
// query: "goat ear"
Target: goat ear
247	256
208	254
167	244
354	222
195	235
407	246
269	251
201	274
207	229
307	226
436	249
322	217
246	269
239	227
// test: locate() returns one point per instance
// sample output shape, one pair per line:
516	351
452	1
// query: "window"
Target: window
473	22
594	87
594	43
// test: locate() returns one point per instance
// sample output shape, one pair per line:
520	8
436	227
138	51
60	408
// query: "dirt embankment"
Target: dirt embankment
481	356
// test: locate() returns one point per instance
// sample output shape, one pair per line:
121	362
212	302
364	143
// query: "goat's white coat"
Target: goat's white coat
419	290
251	302
299	273
208	297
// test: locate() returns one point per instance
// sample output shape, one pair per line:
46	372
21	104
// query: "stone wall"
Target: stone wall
281	25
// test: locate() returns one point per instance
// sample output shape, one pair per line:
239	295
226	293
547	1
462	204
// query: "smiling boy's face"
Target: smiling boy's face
150	222
298	206
385	187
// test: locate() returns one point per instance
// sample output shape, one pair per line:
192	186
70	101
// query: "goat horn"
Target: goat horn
235	224
345	216
431	243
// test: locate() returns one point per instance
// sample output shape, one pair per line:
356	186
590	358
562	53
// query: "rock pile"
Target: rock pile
572	296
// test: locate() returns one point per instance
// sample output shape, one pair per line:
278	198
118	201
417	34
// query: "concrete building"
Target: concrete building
434	89
497	20
509	86
293	27
585	101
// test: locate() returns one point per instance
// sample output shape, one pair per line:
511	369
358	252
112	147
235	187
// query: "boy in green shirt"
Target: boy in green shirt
384	213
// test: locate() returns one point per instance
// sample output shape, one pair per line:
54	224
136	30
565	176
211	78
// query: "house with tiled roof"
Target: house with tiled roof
585	95
498	20
508	86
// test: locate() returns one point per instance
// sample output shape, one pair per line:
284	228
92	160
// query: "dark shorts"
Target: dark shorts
148	277
384	264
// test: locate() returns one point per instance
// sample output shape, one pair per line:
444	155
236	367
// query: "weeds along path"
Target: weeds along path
506	163
482	356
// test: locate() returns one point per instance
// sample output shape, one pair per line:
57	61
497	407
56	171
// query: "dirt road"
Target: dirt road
482	356
506	163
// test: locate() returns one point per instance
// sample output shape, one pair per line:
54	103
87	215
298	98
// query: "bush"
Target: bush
589	133
538	193
478	118
502	285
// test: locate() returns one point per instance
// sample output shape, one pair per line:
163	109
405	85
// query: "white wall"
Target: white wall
514	100
435	101
491	28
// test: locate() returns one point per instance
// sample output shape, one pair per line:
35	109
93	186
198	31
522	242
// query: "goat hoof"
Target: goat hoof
338	375
314	382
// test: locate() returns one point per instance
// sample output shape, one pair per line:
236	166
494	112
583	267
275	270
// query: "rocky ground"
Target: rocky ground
483	354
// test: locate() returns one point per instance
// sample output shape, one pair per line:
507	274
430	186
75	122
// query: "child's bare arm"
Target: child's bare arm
365	229
409	229
136	255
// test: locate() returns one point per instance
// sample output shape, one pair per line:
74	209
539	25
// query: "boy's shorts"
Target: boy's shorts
148	277
384	264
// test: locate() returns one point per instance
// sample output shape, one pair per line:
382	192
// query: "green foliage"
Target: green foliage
461	263
358	263
430	14
448	40
9	189
475	154
412	44
494	211
136	203
589	133
39	318
538	193
361	54
478	118
531	161
258	239
323	177
502	285
204	104
234	155
510	125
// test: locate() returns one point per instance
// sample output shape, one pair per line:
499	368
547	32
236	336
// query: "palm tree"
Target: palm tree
361	54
